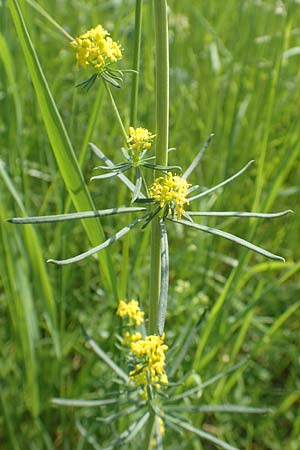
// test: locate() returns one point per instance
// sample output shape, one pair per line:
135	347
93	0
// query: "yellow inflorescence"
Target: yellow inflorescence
151	369
139	139
96	48
131	310
171	189
128	338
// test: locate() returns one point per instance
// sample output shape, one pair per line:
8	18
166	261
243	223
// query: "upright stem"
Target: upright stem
133	120
162	132
136	61
116	112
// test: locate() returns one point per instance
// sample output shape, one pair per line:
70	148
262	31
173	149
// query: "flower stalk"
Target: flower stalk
162	130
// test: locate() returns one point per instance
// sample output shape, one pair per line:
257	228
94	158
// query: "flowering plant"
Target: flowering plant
147	394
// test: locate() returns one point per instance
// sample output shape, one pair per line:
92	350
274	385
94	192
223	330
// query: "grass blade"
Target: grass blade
59	139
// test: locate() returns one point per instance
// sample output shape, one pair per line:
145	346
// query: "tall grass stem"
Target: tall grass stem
162	131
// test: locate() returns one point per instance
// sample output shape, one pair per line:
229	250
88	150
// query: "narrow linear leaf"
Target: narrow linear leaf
125	153
108	175
207	436
50	19
150	217
186	344
38	262
208	382
130	433
198	157
193	188
159	440
104	356
163	295
220	408
138	185
123	412
228	180
100	247
115	167
239	214
110	80
74	216
83	403
230	237
109	163
161	168
90	439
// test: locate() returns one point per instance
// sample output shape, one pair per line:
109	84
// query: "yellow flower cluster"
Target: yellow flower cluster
139	139
148	353
96	48
128	338
151	368
171	189
131	310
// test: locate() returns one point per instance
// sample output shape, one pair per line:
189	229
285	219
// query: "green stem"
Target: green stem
136	61
149	431
133	120
116	111
162	131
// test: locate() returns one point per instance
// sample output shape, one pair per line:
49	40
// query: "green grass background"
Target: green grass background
234	72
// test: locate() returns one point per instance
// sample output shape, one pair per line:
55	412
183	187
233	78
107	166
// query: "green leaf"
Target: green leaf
109	163
219	408
77	403
36	259
138	185
228	180
208	382
161	168
59	139
186	345
75	216
108	175
110	80
230	237
198	158
104	356
98	248
164	286
207	436
239	214
150	217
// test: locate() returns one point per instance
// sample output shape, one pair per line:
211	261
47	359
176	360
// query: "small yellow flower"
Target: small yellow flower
150	370
96	48
130	310
171	190
139	139
128	338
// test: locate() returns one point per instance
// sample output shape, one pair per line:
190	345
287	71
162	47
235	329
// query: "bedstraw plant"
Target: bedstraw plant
161	196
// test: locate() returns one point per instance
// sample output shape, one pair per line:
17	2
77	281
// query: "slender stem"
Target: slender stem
133	120
116	111
149	431
136	61
162	131
162	81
